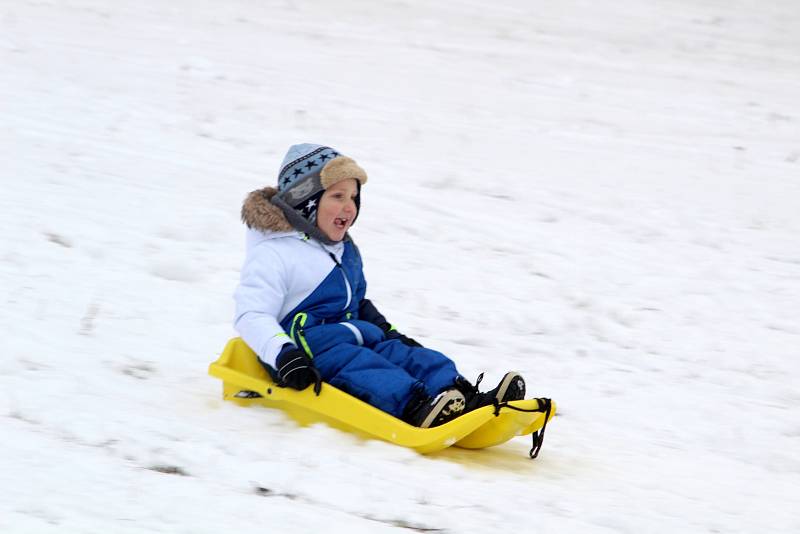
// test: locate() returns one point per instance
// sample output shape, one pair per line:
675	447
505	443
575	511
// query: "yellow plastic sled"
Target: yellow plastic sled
245	382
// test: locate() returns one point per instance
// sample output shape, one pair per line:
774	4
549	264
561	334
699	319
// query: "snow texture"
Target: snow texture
601	195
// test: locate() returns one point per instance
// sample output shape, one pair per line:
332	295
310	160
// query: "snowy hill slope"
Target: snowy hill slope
603	197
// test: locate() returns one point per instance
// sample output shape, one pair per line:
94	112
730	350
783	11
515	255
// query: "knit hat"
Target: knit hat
306	172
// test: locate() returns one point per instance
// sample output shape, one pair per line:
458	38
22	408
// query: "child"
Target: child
301	302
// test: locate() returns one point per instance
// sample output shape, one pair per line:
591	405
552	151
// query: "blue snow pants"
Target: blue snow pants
356	358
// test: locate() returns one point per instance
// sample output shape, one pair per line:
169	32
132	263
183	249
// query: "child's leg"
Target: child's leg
368	376
434	369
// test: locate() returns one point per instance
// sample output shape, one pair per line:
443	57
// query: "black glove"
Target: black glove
296	370
394	334
368	312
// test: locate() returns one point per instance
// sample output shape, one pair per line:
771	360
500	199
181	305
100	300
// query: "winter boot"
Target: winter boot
426	412
511	387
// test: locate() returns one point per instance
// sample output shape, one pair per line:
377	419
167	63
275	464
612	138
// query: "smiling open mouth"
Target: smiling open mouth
340	222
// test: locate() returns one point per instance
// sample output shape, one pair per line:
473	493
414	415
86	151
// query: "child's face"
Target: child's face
337	209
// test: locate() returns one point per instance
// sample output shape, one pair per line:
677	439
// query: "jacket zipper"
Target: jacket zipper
346	281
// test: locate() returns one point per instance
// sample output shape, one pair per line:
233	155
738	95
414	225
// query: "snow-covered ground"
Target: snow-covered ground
602	195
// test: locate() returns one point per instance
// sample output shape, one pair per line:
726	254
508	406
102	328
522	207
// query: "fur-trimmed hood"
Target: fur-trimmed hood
260	213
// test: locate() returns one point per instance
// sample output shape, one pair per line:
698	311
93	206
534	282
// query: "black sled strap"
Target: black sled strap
544	405
538	436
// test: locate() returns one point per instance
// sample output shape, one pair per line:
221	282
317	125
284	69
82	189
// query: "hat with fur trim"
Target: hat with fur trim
306	172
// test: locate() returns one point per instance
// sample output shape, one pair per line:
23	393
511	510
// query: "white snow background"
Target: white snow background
601	195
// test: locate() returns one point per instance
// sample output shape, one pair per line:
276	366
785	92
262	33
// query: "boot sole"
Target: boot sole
448	397
506	383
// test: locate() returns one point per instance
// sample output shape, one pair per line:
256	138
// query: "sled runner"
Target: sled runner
245	382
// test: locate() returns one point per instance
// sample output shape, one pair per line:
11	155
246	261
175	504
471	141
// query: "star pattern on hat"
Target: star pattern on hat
294	173
309	208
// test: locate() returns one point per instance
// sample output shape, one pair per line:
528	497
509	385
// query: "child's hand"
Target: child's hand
296	370
368	312
394	334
